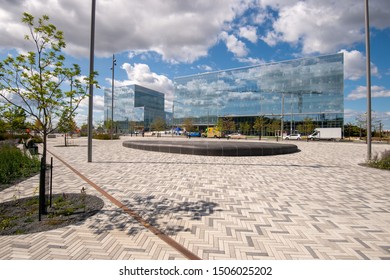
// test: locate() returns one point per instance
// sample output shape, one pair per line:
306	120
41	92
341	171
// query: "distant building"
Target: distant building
135	107
288	91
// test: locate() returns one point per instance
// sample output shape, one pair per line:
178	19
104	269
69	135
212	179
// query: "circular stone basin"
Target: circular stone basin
213	148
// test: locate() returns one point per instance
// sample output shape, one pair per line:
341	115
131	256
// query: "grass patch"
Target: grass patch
381	161
15	164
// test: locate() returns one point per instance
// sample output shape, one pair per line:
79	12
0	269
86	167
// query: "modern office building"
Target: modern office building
288	91
135	107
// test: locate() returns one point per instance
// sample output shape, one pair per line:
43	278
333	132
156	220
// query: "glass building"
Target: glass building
289	91
135	107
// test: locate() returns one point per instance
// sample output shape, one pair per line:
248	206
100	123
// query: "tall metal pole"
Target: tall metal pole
112	94
368	78
281	119
91	77
292	115
173	117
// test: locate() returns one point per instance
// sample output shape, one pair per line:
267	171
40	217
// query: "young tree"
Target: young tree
33	81
158	125
307	126
66	124
106	125
84	129
3	123
259	124
219	124
16	119
245	127
188	124
274	126
12	119
228	124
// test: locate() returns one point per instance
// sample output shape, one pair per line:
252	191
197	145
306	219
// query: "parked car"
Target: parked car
293	137
148	134
236	136
194	134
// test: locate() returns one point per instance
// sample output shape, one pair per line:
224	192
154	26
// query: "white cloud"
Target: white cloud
355	65
180	31
141	74
323	26
98	110
354	116
81	118
249	33
98	103
260	17
271	38
350	113
234	45
251	60
361	92
204	67
184	31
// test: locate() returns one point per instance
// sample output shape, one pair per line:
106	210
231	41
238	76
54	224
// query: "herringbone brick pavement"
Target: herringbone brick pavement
315	204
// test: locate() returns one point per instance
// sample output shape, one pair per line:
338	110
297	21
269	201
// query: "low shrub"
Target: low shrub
15	164
381	161
24	136
105	136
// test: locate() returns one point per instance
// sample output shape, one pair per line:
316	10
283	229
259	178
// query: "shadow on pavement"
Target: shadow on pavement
163	214
221	164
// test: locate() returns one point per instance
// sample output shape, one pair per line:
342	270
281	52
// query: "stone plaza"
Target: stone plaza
318	203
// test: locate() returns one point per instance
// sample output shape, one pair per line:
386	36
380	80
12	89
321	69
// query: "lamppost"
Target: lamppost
91	78
112	94
261	115
173	117
368	79
281	119
292	114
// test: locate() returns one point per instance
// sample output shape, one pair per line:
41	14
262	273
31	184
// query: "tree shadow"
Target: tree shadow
163	214
69	146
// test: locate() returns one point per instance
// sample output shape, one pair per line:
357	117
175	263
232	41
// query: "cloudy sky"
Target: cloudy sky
155	41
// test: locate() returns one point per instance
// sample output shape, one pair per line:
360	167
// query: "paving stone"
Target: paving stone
318	203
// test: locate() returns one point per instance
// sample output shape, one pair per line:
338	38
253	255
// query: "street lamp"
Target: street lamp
281	119
368	78
173	117
112	94
91	78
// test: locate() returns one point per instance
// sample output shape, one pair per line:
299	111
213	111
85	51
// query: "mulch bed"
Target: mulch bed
20	216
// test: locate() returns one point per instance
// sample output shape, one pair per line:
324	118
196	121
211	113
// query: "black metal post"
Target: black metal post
42	197
51	180
112	94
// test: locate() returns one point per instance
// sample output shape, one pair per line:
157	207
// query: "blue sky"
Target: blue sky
155	41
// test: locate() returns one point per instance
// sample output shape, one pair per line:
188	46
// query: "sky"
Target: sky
155	41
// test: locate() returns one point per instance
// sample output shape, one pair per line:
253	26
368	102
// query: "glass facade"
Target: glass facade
289	91
134	105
